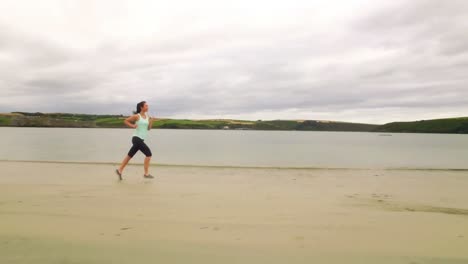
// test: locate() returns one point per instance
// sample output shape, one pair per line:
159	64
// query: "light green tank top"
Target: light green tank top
142	127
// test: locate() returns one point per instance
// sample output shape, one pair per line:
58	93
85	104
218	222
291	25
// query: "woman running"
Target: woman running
142	123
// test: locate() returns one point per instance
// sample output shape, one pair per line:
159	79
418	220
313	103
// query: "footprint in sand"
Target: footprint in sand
215	228
300	241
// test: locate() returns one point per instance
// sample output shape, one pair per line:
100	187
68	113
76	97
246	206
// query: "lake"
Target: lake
240	148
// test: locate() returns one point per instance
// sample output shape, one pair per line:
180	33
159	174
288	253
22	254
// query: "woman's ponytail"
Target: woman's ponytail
139	106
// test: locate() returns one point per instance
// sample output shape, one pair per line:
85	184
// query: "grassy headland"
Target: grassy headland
447	125
24	119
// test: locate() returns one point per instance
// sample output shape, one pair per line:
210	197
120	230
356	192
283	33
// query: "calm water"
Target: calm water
240	148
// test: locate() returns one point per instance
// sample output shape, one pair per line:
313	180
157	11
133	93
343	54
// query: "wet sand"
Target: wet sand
80	213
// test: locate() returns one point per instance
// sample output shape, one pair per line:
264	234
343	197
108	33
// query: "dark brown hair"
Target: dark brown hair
139	106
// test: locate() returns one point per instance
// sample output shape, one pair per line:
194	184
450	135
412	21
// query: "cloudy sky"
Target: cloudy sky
360	61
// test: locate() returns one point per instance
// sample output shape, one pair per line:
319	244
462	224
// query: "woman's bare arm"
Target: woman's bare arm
130	121
151	122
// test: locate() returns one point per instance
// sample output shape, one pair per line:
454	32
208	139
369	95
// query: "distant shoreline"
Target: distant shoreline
457	125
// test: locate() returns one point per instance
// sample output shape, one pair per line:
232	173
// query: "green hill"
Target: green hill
447	125
24	119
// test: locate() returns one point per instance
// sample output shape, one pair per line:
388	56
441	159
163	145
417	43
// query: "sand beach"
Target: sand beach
80	213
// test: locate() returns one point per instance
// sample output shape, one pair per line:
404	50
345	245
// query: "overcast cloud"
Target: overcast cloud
360	61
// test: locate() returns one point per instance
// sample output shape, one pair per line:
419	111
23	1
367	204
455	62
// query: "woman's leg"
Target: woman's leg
130	154
124	163
146	150
147	162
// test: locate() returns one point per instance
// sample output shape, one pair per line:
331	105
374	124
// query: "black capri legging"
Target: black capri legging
138	144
